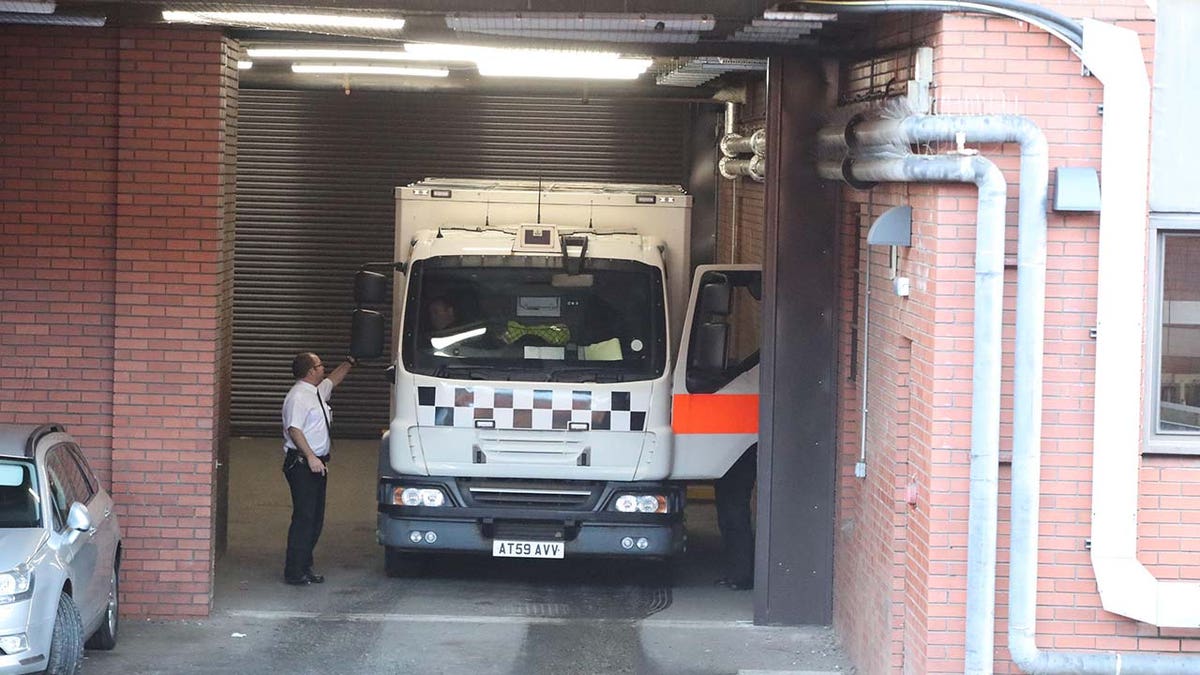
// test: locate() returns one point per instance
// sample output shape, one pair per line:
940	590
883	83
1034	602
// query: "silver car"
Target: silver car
60	551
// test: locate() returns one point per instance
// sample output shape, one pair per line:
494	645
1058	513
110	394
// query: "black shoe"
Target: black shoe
314	578
298	581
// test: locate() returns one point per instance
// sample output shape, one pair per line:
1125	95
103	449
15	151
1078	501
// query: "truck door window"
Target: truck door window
741	326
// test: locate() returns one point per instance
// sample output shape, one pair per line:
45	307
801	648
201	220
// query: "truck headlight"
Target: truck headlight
629	503
15	584
411	496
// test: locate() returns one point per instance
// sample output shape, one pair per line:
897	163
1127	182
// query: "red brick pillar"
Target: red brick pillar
173	273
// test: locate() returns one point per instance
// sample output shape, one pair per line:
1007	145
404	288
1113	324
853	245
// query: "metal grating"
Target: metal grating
315	178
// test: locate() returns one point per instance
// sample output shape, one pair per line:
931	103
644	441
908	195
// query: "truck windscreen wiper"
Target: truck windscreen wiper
586	375
489	372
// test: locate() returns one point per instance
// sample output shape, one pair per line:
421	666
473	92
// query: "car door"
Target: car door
81	552
100	509
715	392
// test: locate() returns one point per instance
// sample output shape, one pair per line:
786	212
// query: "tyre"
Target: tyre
66	646
105	637
399	564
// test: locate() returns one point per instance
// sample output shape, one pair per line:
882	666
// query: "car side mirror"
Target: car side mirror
78	519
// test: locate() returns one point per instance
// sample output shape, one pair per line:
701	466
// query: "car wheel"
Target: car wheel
399	564
66	646
105	637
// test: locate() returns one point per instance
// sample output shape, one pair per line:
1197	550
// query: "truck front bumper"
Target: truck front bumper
461	526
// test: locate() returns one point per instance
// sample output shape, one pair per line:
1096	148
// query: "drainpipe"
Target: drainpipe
985	399
872	136
1112	53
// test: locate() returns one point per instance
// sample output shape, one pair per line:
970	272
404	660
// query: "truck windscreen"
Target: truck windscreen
526	318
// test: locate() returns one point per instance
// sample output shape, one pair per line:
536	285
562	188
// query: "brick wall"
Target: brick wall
117	267
901	568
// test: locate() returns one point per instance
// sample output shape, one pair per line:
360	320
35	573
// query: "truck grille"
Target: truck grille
532	494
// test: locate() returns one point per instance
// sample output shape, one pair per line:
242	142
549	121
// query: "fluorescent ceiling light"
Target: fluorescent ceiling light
347	69
245	65
482	22
673	37
359	21
498	62
775	15
27	7
51	19
336	54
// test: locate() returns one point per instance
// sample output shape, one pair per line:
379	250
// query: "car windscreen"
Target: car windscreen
526	318
19	503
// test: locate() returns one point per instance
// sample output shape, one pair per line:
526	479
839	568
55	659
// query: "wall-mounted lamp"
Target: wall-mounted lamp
1076	189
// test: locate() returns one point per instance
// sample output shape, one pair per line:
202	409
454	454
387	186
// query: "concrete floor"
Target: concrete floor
467	614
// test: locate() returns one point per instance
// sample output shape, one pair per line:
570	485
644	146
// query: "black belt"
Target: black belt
295	454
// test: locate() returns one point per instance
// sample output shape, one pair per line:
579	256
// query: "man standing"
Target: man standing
306	445
733	492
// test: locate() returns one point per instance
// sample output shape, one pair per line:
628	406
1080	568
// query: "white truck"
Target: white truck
544	404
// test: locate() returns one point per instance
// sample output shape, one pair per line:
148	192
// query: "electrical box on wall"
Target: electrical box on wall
901	286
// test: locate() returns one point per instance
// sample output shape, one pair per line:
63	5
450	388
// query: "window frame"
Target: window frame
1158	442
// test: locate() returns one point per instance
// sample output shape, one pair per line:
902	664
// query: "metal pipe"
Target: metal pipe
754	167
1026	478
985	400
1050	21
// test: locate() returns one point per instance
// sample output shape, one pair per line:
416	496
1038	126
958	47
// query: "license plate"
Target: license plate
506	548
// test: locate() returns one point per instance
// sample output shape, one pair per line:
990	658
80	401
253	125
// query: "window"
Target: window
67	482
1175	340
523	317
19	499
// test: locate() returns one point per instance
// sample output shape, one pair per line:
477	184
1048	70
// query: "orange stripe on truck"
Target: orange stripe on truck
715	414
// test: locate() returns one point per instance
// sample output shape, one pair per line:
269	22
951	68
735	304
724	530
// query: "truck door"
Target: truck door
714	412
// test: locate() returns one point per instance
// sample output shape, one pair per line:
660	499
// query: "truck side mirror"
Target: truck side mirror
707	353
366	334
714	296
370	288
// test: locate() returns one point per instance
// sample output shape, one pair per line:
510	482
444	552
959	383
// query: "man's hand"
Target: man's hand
316	465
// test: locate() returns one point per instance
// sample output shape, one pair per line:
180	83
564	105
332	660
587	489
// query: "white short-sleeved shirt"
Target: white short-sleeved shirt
302	409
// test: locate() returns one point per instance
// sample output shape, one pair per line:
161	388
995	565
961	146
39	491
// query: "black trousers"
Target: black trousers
733	492
308	515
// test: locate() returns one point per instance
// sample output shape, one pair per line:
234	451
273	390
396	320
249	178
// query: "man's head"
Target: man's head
307	366
441	314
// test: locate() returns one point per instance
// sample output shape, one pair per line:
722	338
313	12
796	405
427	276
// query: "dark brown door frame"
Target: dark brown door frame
797	444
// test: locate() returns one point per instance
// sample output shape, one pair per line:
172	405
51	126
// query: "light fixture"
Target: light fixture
498	62
363	69
670	37
245	65
483	22
697	71
775	15
332	54
51	19
585	26
27	7
284	19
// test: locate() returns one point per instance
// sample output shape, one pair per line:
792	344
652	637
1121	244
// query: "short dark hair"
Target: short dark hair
303	363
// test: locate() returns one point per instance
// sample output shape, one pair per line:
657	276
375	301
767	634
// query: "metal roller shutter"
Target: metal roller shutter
315	178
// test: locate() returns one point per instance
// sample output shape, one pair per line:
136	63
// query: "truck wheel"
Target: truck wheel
399	564
105	637
66	645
